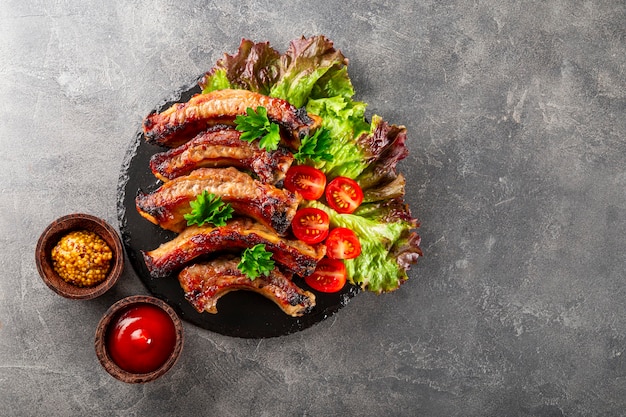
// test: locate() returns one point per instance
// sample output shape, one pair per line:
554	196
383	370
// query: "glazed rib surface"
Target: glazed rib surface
221	147
166	207
294	255
205	283
182	121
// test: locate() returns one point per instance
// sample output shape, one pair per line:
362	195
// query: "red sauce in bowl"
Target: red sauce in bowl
141	338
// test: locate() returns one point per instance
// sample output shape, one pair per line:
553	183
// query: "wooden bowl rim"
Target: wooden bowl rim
55	231
101	333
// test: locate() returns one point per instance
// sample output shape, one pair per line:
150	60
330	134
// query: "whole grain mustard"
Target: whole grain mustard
82	258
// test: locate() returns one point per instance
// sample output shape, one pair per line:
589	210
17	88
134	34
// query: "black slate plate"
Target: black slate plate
240	314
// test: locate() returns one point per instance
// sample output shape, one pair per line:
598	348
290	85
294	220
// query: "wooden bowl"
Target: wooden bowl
51	236
107	322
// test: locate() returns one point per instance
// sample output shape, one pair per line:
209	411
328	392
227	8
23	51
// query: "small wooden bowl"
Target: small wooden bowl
102	333
51	236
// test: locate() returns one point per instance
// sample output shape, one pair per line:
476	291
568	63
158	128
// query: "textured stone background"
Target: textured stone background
516	119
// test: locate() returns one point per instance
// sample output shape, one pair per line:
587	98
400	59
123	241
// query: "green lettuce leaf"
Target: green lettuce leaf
345	120
311	64
218	80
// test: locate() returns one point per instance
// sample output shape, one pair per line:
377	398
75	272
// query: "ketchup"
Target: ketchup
141	338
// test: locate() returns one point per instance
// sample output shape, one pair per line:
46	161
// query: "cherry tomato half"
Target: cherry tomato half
306	180
329	276
310	225
342	243
344	195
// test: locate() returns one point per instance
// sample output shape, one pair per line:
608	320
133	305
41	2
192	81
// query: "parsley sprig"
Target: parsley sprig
315	148
255	125
256	261
208	208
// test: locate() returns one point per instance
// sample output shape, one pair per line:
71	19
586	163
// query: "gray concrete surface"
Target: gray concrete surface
516	119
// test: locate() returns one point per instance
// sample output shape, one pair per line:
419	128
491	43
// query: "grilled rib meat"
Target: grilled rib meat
294	255
205	283
182	121
166	207
219	147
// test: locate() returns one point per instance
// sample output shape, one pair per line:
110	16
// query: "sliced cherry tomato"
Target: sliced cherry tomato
306	180
329	276
342	243
310	225
344	195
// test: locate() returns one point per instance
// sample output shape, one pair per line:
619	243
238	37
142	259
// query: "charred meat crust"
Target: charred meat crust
205	283
221	146
182	121
166	207
194	242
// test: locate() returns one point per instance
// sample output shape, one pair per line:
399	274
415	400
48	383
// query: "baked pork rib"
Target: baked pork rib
205	283
182	121
196	241
220	147
166	207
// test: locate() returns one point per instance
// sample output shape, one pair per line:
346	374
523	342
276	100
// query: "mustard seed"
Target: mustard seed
82	258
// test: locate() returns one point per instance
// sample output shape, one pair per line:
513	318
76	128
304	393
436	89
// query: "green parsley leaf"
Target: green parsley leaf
315	148
208	208
272	139
256	124
256	261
